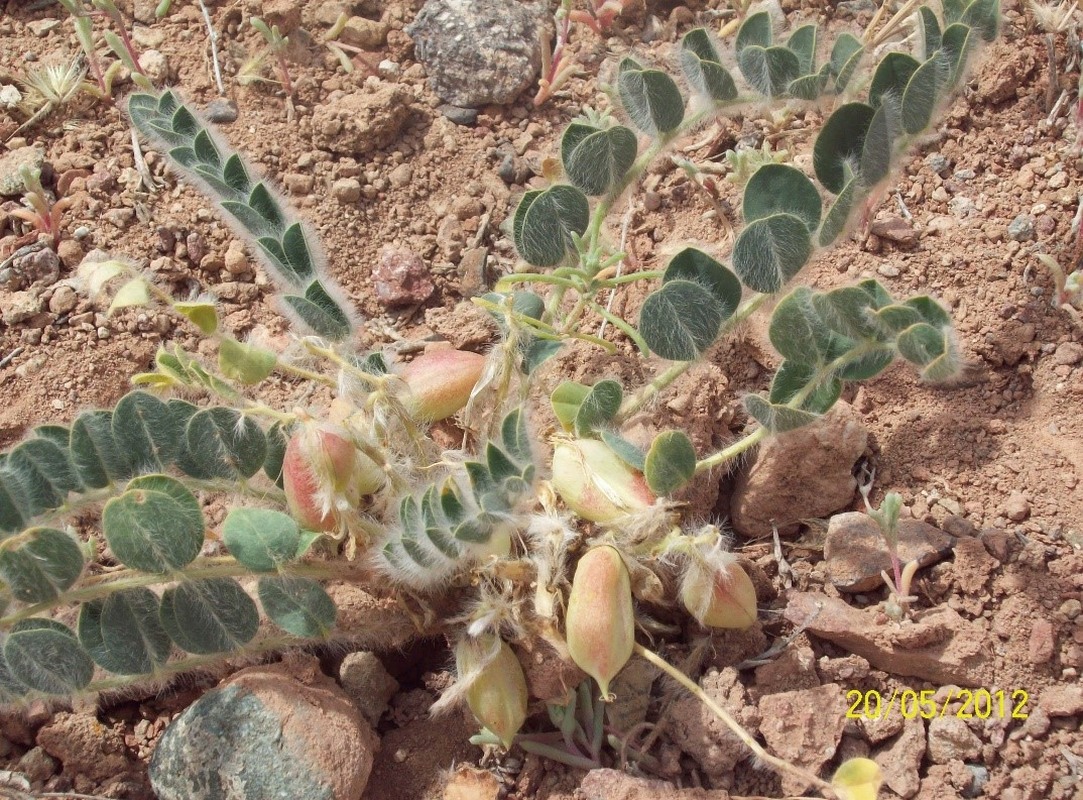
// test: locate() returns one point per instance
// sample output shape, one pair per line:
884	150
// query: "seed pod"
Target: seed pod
323	474
497	694
723	597
441	381
595	483
600	626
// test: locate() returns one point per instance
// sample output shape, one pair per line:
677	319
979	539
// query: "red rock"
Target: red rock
401	278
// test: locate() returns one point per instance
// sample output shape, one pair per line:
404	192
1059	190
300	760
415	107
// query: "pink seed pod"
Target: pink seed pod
323	474
595	483
600	625
497	692
719	595
440	382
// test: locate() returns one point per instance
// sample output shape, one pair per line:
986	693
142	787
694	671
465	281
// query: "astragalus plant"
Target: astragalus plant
514	542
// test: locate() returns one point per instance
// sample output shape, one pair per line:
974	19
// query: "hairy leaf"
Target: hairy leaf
596	160
670	462
545	221
681	320
45	655
208	616
155	526
770	251
650	98
299	606
839	145
780	188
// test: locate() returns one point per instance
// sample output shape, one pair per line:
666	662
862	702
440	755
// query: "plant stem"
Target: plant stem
629	331
745	737
731	452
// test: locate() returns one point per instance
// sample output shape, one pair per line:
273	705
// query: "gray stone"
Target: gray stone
11	182
1021	229
477	52
369	685
40	266
799	475
458	115
222	111
937	163
855	550
267	733
37	765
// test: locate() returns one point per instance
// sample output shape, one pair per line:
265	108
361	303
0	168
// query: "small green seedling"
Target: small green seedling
42	211
276	46
887	518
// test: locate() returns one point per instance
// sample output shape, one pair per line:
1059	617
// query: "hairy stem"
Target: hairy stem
745	737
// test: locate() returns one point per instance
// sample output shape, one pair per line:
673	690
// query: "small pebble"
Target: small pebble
1068	353
1021	228
459	115
1016	507
222	111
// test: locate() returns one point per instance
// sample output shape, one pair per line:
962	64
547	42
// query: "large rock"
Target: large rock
698	732
11	181
804	728
275	732
478	52
937	645
799	475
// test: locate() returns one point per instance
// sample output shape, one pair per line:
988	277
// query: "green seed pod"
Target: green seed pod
600	625
596	484
723	597
324	474
441	381
497	693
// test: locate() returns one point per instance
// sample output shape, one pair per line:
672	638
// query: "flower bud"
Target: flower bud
441	381
323	474
600	626
719	597
595	483
497	693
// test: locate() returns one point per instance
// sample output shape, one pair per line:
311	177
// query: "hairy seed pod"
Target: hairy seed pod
323	473
595	483
600	626
441	381
497	694
722	597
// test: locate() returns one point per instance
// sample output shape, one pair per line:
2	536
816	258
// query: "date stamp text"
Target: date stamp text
961	703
